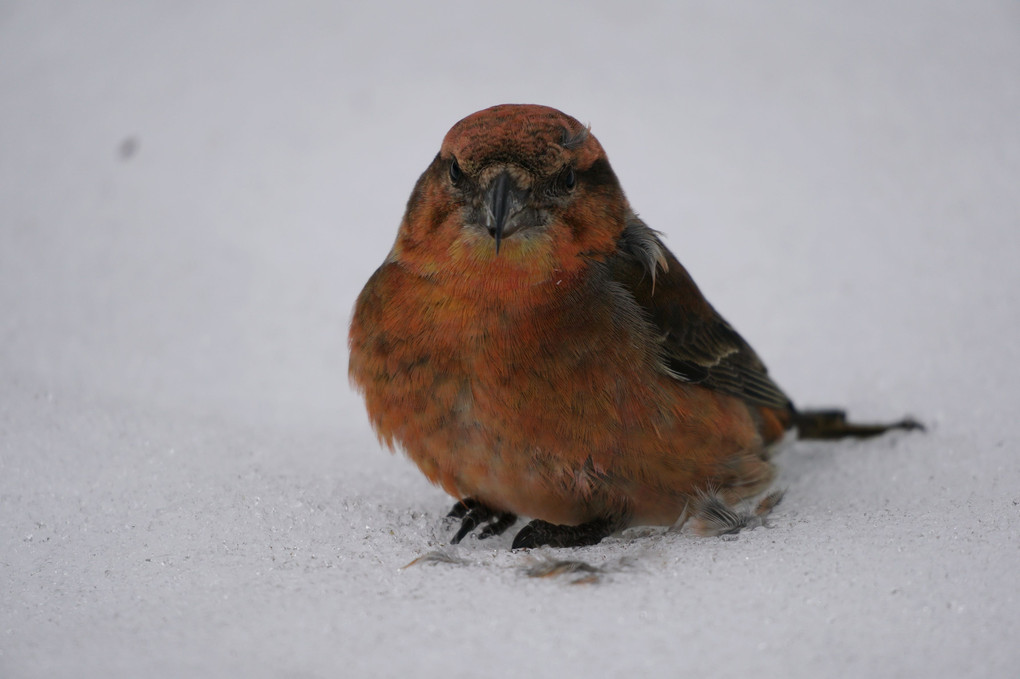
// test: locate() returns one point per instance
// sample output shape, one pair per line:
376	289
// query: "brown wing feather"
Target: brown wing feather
698	345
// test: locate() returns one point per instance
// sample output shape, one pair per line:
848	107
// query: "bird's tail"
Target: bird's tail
832	424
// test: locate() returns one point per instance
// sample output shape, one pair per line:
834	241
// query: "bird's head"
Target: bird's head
517	191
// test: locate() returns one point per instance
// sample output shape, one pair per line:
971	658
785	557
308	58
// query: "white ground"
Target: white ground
192	194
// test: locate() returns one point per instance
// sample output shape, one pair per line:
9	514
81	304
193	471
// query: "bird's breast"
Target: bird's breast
549	408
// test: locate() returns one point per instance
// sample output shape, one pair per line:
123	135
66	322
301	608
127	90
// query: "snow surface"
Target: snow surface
193	193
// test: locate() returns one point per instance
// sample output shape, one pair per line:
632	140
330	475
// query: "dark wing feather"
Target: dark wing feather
698	345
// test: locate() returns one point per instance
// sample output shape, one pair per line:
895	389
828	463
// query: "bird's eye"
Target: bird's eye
455	173
569	179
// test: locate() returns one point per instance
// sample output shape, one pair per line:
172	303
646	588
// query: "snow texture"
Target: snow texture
193	193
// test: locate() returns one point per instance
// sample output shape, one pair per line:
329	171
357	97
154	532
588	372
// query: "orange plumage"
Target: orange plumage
537	351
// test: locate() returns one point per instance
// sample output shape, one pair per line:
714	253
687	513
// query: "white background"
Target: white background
193	193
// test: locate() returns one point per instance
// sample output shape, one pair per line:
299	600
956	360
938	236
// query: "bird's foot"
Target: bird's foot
538	533
471	513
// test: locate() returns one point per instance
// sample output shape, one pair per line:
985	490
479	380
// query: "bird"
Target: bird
535	348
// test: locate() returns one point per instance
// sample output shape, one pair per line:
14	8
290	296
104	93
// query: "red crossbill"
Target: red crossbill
537	351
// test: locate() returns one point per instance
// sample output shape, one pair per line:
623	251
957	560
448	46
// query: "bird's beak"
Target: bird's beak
503	201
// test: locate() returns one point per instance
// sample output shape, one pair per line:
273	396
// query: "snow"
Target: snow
192	195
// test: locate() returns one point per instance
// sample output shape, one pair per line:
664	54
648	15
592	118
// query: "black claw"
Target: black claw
538	533
498	526
467	524
526	537
473	513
